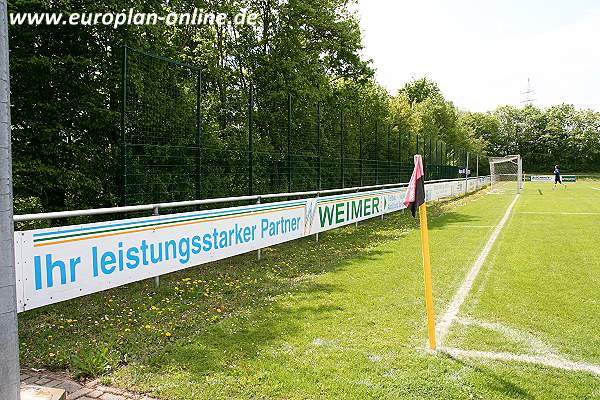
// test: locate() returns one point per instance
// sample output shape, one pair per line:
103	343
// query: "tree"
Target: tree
418	90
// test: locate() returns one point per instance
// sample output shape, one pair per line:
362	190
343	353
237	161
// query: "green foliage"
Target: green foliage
66	84
91	362
421	112
420	90
558	135
67	97
29	205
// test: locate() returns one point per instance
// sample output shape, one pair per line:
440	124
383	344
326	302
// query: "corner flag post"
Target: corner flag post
415	198
427	275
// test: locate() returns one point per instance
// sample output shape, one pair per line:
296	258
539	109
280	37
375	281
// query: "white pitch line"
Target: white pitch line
594	188
533	343
465	288
558	213
549	361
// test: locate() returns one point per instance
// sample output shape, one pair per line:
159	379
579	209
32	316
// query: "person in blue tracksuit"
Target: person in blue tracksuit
557	177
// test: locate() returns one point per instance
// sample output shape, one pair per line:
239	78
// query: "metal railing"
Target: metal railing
161	206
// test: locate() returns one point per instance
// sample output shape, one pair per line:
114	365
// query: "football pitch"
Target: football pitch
516	290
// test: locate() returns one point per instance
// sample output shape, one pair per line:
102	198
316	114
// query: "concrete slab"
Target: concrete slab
33	392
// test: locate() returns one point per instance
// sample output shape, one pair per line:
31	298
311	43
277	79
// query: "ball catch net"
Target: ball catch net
506	173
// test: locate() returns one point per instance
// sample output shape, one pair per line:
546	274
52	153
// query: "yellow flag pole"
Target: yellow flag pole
427	276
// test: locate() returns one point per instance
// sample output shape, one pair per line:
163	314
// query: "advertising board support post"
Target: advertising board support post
317	234
156	212
356	223
9	356
258	252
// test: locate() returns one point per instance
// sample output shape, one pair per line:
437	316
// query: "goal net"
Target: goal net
506	173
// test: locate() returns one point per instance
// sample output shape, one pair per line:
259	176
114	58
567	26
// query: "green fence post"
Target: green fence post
417	145
430	157
450	159
441	160
342	146
360	149
426	160
399	156
388	157
409	144
198	136
250	148
437	161
467	174
377	152
445	160
289	143
319	145
123	128
453	156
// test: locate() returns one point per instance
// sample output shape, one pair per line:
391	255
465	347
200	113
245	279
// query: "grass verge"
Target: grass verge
342	318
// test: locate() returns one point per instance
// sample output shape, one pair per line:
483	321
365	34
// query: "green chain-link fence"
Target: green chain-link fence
177	143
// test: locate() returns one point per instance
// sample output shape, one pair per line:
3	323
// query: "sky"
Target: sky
482	52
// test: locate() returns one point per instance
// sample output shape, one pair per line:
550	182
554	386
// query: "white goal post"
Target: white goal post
506	173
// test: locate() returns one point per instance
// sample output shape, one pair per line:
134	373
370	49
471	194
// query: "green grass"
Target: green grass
543	277
344	318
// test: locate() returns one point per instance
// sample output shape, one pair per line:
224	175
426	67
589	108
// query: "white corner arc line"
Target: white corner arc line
472	226
549	360
460	296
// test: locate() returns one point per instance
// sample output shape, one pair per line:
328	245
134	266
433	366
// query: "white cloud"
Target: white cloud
482	56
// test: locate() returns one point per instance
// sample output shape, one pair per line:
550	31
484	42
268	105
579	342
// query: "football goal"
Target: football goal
506	173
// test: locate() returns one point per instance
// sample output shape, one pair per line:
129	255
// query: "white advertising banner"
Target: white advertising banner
550	178
472	185
334	211
542	178
57	264
62	263
436	191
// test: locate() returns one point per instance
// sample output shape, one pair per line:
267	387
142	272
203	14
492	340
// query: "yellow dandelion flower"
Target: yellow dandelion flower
168	334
